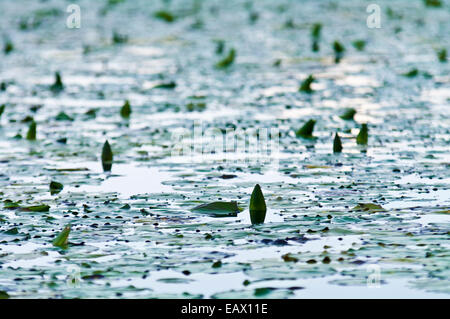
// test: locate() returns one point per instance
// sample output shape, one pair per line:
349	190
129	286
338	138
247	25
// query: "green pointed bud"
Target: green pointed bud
306	84
228	60
306	130
58	86
107	157
338	51
2	109
257	206
63	238
125	111
363	135
31	134
55	187
337	144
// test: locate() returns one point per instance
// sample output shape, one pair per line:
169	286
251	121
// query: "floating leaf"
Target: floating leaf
289	258
31	134
306	130
348	114
107	157
368	207
55	187
359	44
164	15
37	208
257	206
4	294
58	86
337	144
260	292
119	38
433	3
168	85
9	47
363	135
2	109
125	111
228	60
218	209
306	84
412	73
62	116
62	239
11	231
442	55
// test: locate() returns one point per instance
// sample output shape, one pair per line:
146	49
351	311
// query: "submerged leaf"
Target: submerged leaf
228	60
337	144
306	84
338	51
63	238
218	209
31	134
363	135
257	206
125	111
107	157
2	109
306	130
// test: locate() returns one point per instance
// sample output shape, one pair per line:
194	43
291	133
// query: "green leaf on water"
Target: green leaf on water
228	60
368	207
218	209
107	157
306	130
62	116
55	187
433	3
11	231
442	55
260	292
9	46
257	206
37	208
119	38
306	84
337	144
164	15
412	73
348	114
63	238
168	85
57	86
31	134
125	111
4	294
363	135
359	44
